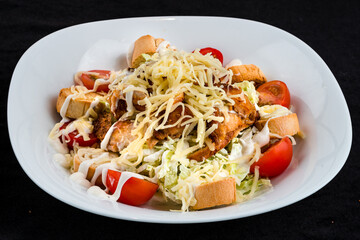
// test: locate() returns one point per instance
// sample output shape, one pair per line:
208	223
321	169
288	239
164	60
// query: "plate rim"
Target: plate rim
347	138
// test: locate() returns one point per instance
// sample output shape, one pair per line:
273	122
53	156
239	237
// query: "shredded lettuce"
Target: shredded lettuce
245	186
249	89
178	178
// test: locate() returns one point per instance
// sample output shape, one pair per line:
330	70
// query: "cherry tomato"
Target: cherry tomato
214	52
72	138
134	192
89	79
274	92
275	160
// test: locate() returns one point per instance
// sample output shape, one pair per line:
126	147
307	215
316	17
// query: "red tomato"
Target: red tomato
275	160
274	92
134	192
89	79
72	138
214	52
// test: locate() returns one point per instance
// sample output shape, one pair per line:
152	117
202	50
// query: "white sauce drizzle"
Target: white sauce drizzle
122	180
61	159
98	82
163	47
85	165
101	170
80	178
124	177
65	106
234	62
263	137
106	139
129	101
92	106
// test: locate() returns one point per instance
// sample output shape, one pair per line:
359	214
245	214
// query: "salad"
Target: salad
175	123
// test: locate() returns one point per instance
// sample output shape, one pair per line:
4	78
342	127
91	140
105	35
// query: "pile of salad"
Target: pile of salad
172	124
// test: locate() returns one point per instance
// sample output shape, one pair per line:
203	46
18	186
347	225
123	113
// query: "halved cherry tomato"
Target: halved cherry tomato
134	192
274	92
89	79
72	138
214	52
275	160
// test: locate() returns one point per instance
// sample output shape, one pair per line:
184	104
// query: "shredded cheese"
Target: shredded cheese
166	77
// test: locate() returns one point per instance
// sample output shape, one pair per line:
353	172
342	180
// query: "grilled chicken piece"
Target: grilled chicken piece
121	136
176	131
102	124
242	115
118	104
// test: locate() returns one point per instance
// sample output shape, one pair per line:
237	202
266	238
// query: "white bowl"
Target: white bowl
50	63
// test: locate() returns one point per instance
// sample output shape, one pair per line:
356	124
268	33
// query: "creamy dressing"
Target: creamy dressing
234	62
65	105
106	139
85	165
124	177
272	111
77	79
247	143
92	106
263	137
61	159
99	82
163	47
80	178
98	192
101	170
129	101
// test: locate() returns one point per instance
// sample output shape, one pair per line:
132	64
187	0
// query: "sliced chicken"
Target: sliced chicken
121	136
102	124
176	131
118	104
240	116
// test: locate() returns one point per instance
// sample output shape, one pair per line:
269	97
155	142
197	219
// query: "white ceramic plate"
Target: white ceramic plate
50	63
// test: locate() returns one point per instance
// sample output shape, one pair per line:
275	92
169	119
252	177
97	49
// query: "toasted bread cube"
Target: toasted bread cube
215	193
249	73
77	107
283	126
90	172
144	45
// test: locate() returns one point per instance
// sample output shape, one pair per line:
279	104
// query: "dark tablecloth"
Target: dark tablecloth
331	28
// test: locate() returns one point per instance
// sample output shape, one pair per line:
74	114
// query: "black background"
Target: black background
331	28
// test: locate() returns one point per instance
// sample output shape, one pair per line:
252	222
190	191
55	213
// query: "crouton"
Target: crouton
77	107
247	73
121	136
215	193
144	45
90	172
285	125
